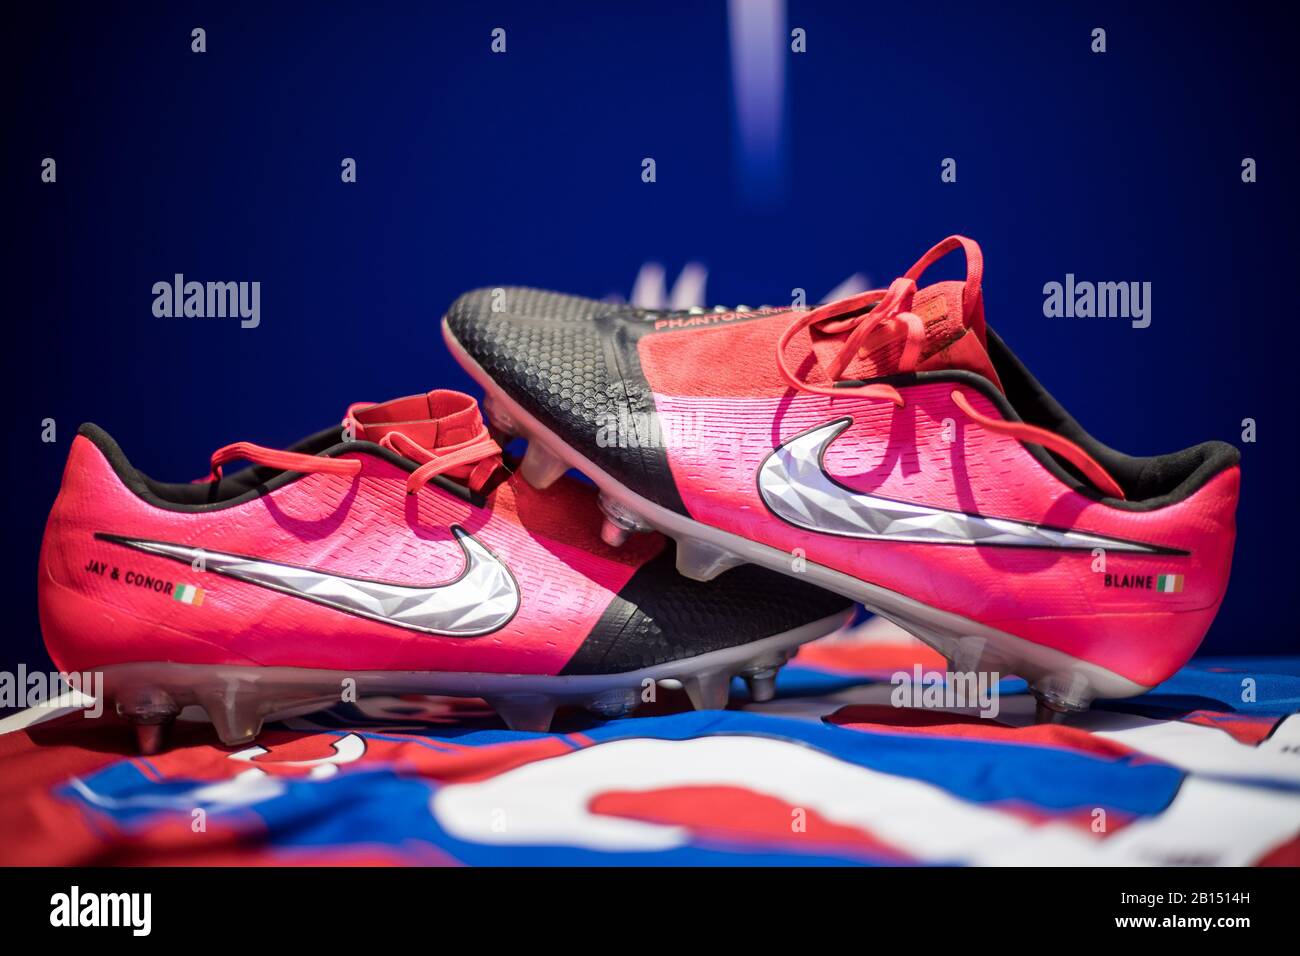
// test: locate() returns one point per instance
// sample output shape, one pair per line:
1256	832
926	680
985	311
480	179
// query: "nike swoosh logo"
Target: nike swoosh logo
793	483
481	600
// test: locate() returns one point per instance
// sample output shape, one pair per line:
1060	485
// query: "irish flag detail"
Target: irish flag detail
1166	584
189	594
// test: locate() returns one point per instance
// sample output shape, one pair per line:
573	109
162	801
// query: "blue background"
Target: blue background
481	169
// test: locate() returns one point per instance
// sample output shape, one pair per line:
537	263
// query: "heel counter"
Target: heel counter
84	475
1211	559
1189	589
58	520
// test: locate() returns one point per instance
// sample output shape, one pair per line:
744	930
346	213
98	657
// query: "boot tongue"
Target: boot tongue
439	419
949	342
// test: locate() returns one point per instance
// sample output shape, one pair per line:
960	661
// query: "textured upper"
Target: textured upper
573	363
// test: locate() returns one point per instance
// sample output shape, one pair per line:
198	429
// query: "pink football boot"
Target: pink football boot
394	555
888	446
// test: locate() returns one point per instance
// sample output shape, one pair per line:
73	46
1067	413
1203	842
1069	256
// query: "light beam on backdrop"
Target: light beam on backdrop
759	45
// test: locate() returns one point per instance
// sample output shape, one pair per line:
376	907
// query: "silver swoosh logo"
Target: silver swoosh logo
482	600
793	482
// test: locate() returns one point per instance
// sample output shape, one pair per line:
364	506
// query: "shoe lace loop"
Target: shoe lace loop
480	452
861	315
467	450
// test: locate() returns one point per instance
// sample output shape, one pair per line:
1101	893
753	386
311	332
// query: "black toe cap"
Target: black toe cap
660	616
572	363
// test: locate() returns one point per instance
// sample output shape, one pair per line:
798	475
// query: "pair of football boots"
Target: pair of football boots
756	473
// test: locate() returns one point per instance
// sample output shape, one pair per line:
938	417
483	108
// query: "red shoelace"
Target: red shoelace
863	314
442	431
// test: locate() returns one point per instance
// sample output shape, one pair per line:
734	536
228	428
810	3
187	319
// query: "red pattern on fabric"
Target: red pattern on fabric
752	819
